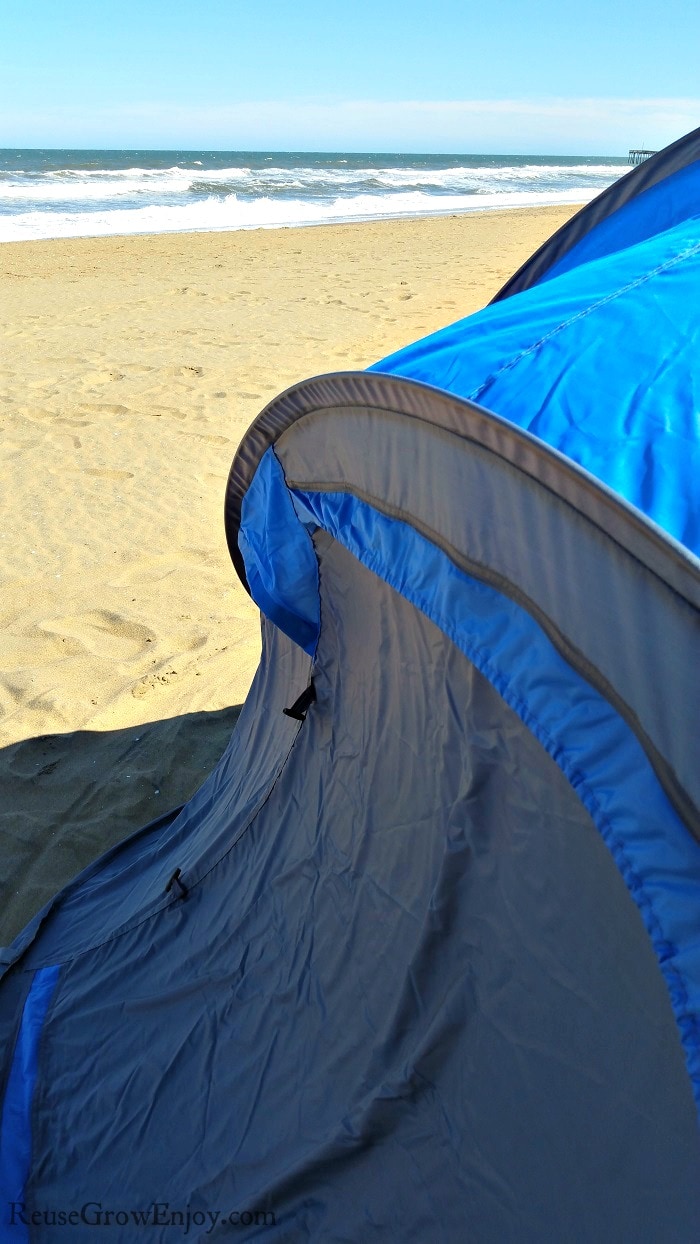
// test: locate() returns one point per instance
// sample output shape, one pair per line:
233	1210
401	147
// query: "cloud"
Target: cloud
556	125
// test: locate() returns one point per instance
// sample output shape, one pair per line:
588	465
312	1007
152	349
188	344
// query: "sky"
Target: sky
500	76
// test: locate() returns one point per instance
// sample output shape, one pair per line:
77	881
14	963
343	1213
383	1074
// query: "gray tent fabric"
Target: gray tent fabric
359	977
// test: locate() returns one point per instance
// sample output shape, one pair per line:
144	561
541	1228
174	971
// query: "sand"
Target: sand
131	368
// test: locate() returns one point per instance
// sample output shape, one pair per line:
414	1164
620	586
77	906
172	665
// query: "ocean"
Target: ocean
58	194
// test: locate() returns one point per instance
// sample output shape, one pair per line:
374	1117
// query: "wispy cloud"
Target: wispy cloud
509	125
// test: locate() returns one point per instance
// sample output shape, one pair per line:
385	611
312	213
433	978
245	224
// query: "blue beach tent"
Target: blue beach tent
420	961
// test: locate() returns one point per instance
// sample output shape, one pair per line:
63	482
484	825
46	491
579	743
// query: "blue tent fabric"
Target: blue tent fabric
279	558
422	961
15	1123
570	361
591	221
658	209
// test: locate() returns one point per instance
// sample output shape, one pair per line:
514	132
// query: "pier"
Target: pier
637	155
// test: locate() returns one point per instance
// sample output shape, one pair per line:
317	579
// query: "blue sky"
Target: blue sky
386	75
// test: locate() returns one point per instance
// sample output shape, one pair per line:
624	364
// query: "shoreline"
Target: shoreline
132	367
448	213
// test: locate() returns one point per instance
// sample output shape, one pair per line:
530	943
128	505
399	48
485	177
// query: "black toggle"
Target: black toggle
175	880
301	706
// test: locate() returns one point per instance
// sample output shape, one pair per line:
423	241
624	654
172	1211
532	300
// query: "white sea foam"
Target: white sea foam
466	176
94	185
134	171
64	191
231	212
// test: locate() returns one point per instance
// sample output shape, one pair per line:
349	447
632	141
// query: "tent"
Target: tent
420	961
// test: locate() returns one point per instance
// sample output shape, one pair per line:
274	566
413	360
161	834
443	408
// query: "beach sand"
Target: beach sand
131	368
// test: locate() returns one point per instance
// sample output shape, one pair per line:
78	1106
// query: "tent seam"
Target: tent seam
686	1019
581	315
671	783
588	485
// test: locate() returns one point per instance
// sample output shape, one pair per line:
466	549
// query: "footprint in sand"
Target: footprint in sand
152	682
105	408
13	693
35	414
202	436
104	633
158	411
35	384
106	474
103	377
188	372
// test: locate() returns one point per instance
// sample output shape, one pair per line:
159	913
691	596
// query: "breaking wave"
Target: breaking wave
268	191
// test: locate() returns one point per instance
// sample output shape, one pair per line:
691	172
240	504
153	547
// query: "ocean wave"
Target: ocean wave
232	212
479	174
63	191
317	170
176	184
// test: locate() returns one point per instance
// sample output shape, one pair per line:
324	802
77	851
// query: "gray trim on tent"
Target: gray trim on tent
632	530
654	170
534	525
